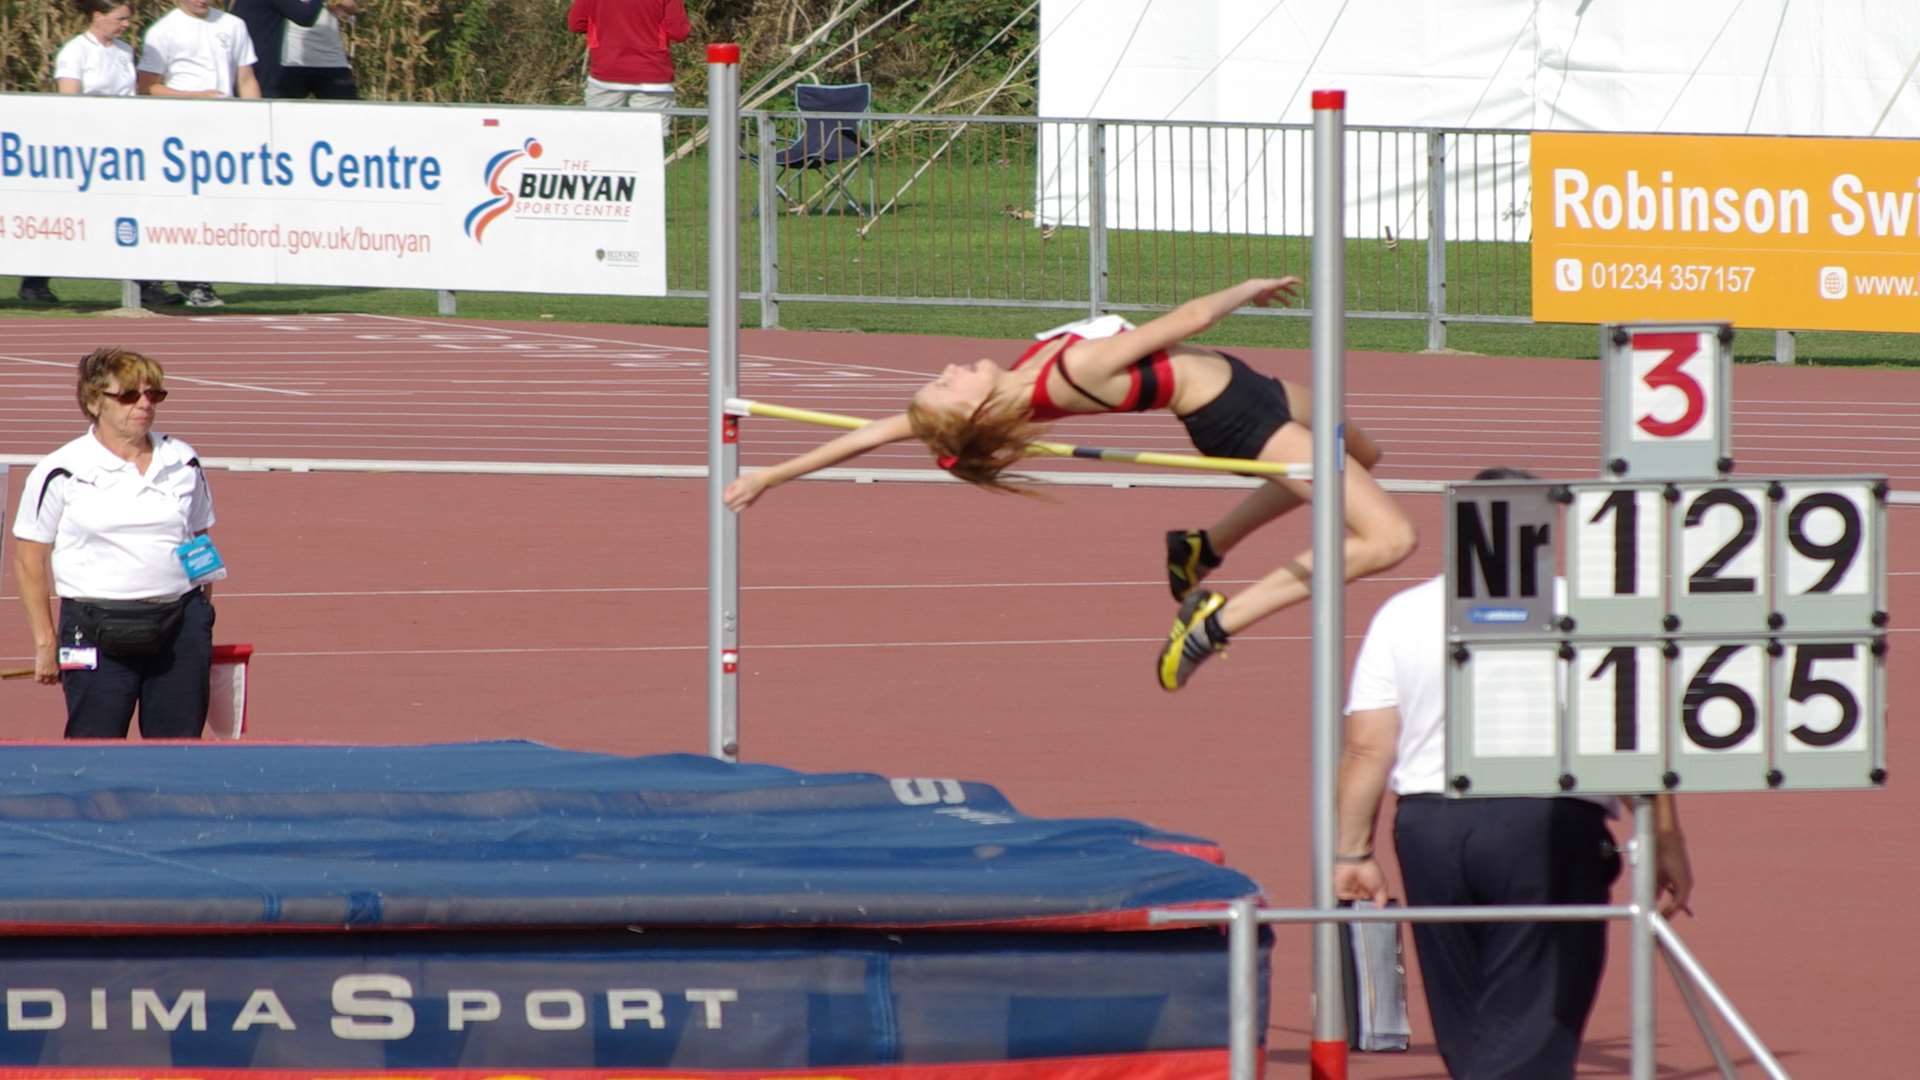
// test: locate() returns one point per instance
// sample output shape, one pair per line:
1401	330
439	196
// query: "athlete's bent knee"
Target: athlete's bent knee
1388	546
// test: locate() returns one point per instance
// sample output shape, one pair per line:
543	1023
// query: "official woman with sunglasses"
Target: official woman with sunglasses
114	523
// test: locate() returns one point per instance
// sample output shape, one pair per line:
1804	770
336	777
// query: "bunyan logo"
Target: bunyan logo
500	200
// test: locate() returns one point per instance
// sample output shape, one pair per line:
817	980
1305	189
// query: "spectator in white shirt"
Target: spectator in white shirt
197	51
95	63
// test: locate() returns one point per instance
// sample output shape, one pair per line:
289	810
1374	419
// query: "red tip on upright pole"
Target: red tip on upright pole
1327	1060
724	54
1329	99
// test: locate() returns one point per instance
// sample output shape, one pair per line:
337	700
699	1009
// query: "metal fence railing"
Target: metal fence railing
964	210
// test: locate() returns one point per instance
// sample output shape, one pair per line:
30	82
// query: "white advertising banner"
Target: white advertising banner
324	193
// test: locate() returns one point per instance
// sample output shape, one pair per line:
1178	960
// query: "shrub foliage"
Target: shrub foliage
519	51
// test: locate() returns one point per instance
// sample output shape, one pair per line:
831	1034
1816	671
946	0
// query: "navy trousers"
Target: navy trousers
169	688
327	84
1509	1001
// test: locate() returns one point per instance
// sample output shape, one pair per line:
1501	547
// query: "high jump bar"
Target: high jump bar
1291	471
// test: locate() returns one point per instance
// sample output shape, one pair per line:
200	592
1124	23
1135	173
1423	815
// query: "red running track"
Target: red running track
921	630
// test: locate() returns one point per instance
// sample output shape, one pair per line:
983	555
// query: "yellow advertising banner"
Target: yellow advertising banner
1762	231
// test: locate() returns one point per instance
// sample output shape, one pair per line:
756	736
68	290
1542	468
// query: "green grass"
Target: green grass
961	230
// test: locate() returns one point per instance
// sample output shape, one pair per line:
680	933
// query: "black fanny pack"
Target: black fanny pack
130	627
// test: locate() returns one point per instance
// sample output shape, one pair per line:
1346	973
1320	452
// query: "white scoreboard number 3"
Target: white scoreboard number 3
1673	386
1666	414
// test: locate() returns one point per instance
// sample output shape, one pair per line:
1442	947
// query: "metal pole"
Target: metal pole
1436	240
1096	217
1645	889
130	294
1677	950
6	479
1784	347
446	302
1484	914
1329	1049
1701	1020
1243	990
769	226
723	382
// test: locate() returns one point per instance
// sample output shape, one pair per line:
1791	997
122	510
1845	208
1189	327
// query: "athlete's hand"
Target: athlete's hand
741	493
1267	290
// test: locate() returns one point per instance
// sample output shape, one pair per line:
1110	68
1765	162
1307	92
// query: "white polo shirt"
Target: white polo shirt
1402	665
197	54
114	530
102	70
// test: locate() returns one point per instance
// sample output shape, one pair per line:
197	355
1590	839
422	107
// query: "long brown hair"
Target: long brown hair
980	446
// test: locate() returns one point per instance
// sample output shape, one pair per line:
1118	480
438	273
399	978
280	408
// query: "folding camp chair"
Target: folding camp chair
832	144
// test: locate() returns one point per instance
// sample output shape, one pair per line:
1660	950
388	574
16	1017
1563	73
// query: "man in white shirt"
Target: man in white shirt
301	51
1509	1001
198	51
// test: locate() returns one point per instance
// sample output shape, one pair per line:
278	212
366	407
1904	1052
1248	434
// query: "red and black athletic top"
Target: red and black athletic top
1149	385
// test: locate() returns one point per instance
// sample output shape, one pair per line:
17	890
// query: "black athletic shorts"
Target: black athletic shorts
1238	423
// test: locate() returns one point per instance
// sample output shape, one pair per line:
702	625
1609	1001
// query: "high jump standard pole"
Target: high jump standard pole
723	383
1329	291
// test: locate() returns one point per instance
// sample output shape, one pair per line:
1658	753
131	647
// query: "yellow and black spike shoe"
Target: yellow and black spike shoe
1196	635
1190	558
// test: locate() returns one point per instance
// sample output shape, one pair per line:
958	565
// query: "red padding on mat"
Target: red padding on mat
1159	1065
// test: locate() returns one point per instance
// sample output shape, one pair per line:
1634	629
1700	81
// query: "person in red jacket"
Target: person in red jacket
627	41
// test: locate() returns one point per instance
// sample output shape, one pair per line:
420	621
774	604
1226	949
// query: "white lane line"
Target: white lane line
179	378
905	586
557	335
795	646
1381	581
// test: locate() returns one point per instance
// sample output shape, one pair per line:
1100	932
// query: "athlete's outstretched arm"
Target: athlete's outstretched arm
741	493
1105	357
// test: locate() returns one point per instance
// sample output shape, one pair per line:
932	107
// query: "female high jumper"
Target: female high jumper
979	419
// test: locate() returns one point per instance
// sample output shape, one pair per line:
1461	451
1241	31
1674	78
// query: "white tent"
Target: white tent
1780	67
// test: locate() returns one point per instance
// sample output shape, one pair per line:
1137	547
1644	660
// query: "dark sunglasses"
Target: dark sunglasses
128	397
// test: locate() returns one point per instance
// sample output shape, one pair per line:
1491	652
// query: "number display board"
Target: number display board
1665	400
1717	635
1500	558
1618	548
1720	559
